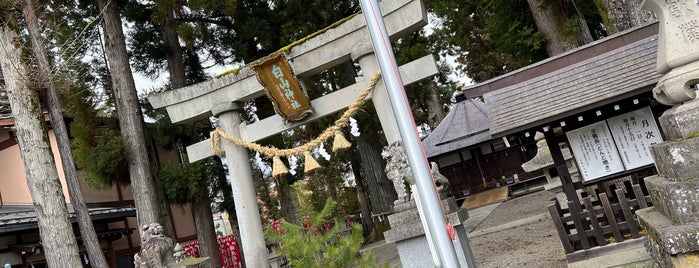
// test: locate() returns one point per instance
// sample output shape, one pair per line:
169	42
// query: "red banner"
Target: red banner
228	249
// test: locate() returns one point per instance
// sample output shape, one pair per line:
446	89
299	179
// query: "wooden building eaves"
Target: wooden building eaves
582	86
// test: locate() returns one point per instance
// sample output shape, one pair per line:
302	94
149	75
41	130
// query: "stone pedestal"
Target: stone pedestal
409	235
673	221
672	237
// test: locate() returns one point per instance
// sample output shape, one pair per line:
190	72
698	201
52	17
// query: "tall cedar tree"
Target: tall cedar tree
60	247
156	40
87	230
485	45
130	117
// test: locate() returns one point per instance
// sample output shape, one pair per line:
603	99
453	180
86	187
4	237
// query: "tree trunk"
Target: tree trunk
164	212
130	115
175	63
550	21
286	199
367	220
620	15
87	230
57	238
203	218
435	109
381	192
206	232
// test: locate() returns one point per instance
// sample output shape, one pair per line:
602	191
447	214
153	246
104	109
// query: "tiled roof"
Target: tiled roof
8	120
466	124
581	86
19	218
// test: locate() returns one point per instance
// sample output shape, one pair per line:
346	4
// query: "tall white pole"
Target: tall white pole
436	224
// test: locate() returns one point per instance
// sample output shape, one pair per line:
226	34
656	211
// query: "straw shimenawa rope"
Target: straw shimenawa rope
275	153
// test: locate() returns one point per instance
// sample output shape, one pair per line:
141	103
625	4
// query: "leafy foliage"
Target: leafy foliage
486	45
183	183
105	162
98	147
317	242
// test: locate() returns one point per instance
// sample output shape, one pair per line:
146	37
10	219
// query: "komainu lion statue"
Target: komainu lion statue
156	248
399	172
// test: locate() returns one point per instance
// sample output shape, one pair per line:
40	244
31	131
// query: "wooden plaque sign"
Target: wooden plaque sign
283	88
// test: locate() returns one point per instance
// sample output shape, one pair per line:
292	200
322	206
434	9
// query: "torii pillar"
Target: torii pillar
222	97
243	188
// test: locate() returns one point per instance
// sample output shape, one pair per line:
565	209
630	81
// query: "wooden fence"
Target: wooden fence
600	219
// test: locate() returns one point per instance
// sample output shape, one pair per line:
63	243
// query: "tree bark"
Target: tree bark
87	230
60	247
435	109
175	63
206	232
620	15
367	220
130	115
380	188
286	199
203	218
549	21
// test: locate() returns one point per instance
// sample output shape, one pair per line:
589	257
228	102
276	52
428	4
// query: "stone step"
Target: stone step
668	242
677	160
677	200
680	122
406	217
408	227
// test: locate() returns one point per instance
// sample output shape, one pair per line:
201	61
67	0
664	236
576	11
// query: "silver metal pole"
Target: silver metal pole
436	224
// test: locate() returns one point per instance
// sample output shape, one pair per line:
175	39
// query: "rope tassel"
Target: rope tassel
278	167
310	163
340	142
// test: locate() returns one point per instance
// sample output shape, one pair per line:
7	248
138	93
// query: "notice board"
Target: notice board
614	145
634	132
594	150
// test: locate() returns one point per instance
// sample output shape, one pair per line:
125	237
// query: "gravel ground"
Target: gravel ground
518	233
531	245
518	208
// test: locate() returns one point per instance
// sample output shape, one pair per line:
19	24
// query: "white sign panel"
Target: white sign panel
634	133
594	150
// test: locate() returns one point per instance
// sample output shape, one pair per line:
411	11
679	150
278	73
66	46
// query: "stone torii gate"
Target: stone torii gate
222	97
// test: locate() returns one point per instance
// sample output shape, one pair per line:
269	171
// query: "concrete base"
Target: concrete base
554	185
630	253
414	252
277	261
409	236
